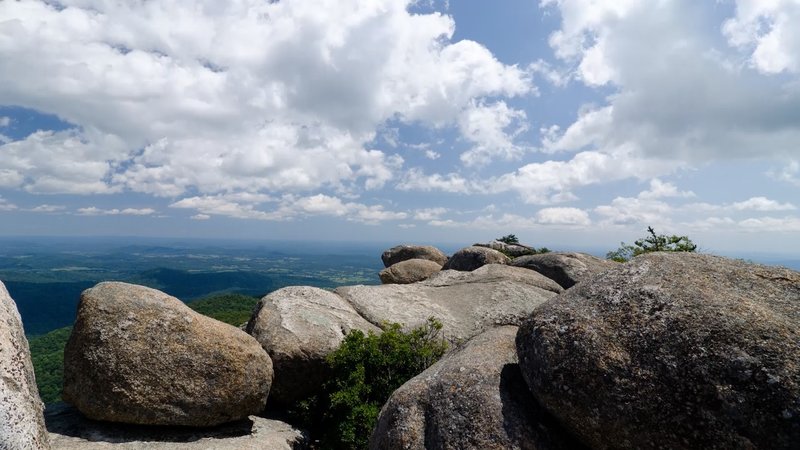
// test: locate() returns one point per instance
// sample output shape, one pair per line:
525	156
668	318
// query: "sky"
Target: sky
569	123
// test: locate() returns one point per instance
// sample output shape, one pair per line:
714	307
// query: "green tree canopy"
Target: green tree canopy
652	243
509	239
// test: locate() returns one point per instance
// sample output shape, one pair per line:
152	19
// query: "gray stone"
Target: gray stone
139	356
494	272
299	326
409	271
474	398
511	250
464	308
404	252
566	268
671	350
69	430
21	420
471	258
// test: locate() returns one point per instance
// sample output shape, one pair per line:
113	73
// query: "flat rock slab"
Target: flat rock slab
473	398
671	350
464	308
21	420
70	430
299	326
494	272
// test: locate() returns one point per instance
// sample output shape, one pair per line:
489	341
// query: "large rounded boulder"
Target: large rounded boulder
470	258
405	252
565	268
21	410
473	398
299	326
671	351
139	356
409	271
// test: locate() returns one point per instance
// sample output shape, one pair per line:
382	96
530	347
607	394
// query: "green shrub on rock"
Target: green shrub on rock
652	243
365	370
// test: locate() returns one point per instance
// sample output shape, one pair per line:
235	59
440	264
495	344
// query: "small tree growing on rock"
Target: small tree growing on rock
509	239
652	243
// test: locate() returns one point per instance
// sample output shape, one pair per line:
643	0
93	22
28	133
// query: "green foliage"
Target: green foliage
652	243
365	370
47	354
233	309
509	239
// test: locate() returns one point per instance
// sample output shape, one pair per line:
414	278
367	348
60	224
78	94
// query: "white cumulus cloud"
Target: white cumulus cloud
172	97
94	211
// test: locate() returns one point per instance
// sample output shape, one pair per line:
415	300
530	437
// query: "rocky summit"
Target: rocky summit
139	356
671	351
466	305
21	422
474	398
299	326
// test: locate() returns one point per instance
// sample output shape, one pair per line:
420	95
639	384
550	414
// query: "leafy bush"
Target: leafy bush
652	243
365	370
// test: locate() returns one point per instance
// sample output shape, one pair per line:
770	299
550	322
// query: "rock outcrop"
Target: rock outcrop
464	307
69	430
512	250
566	268
474	398
139	356
404	252
495	272
21	420
299	326
671	351
470	258
409	271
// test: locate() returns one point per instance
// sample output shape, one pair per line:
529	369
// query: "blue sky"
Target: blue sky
569	123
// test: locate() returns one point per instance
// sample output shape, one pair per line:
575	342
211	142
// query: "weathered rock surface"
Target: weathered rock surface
404	252
512	250
21	420
474	398
139	356
465	308
69	430
299	326
672	351
471	258
409	271
566	268
494	272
